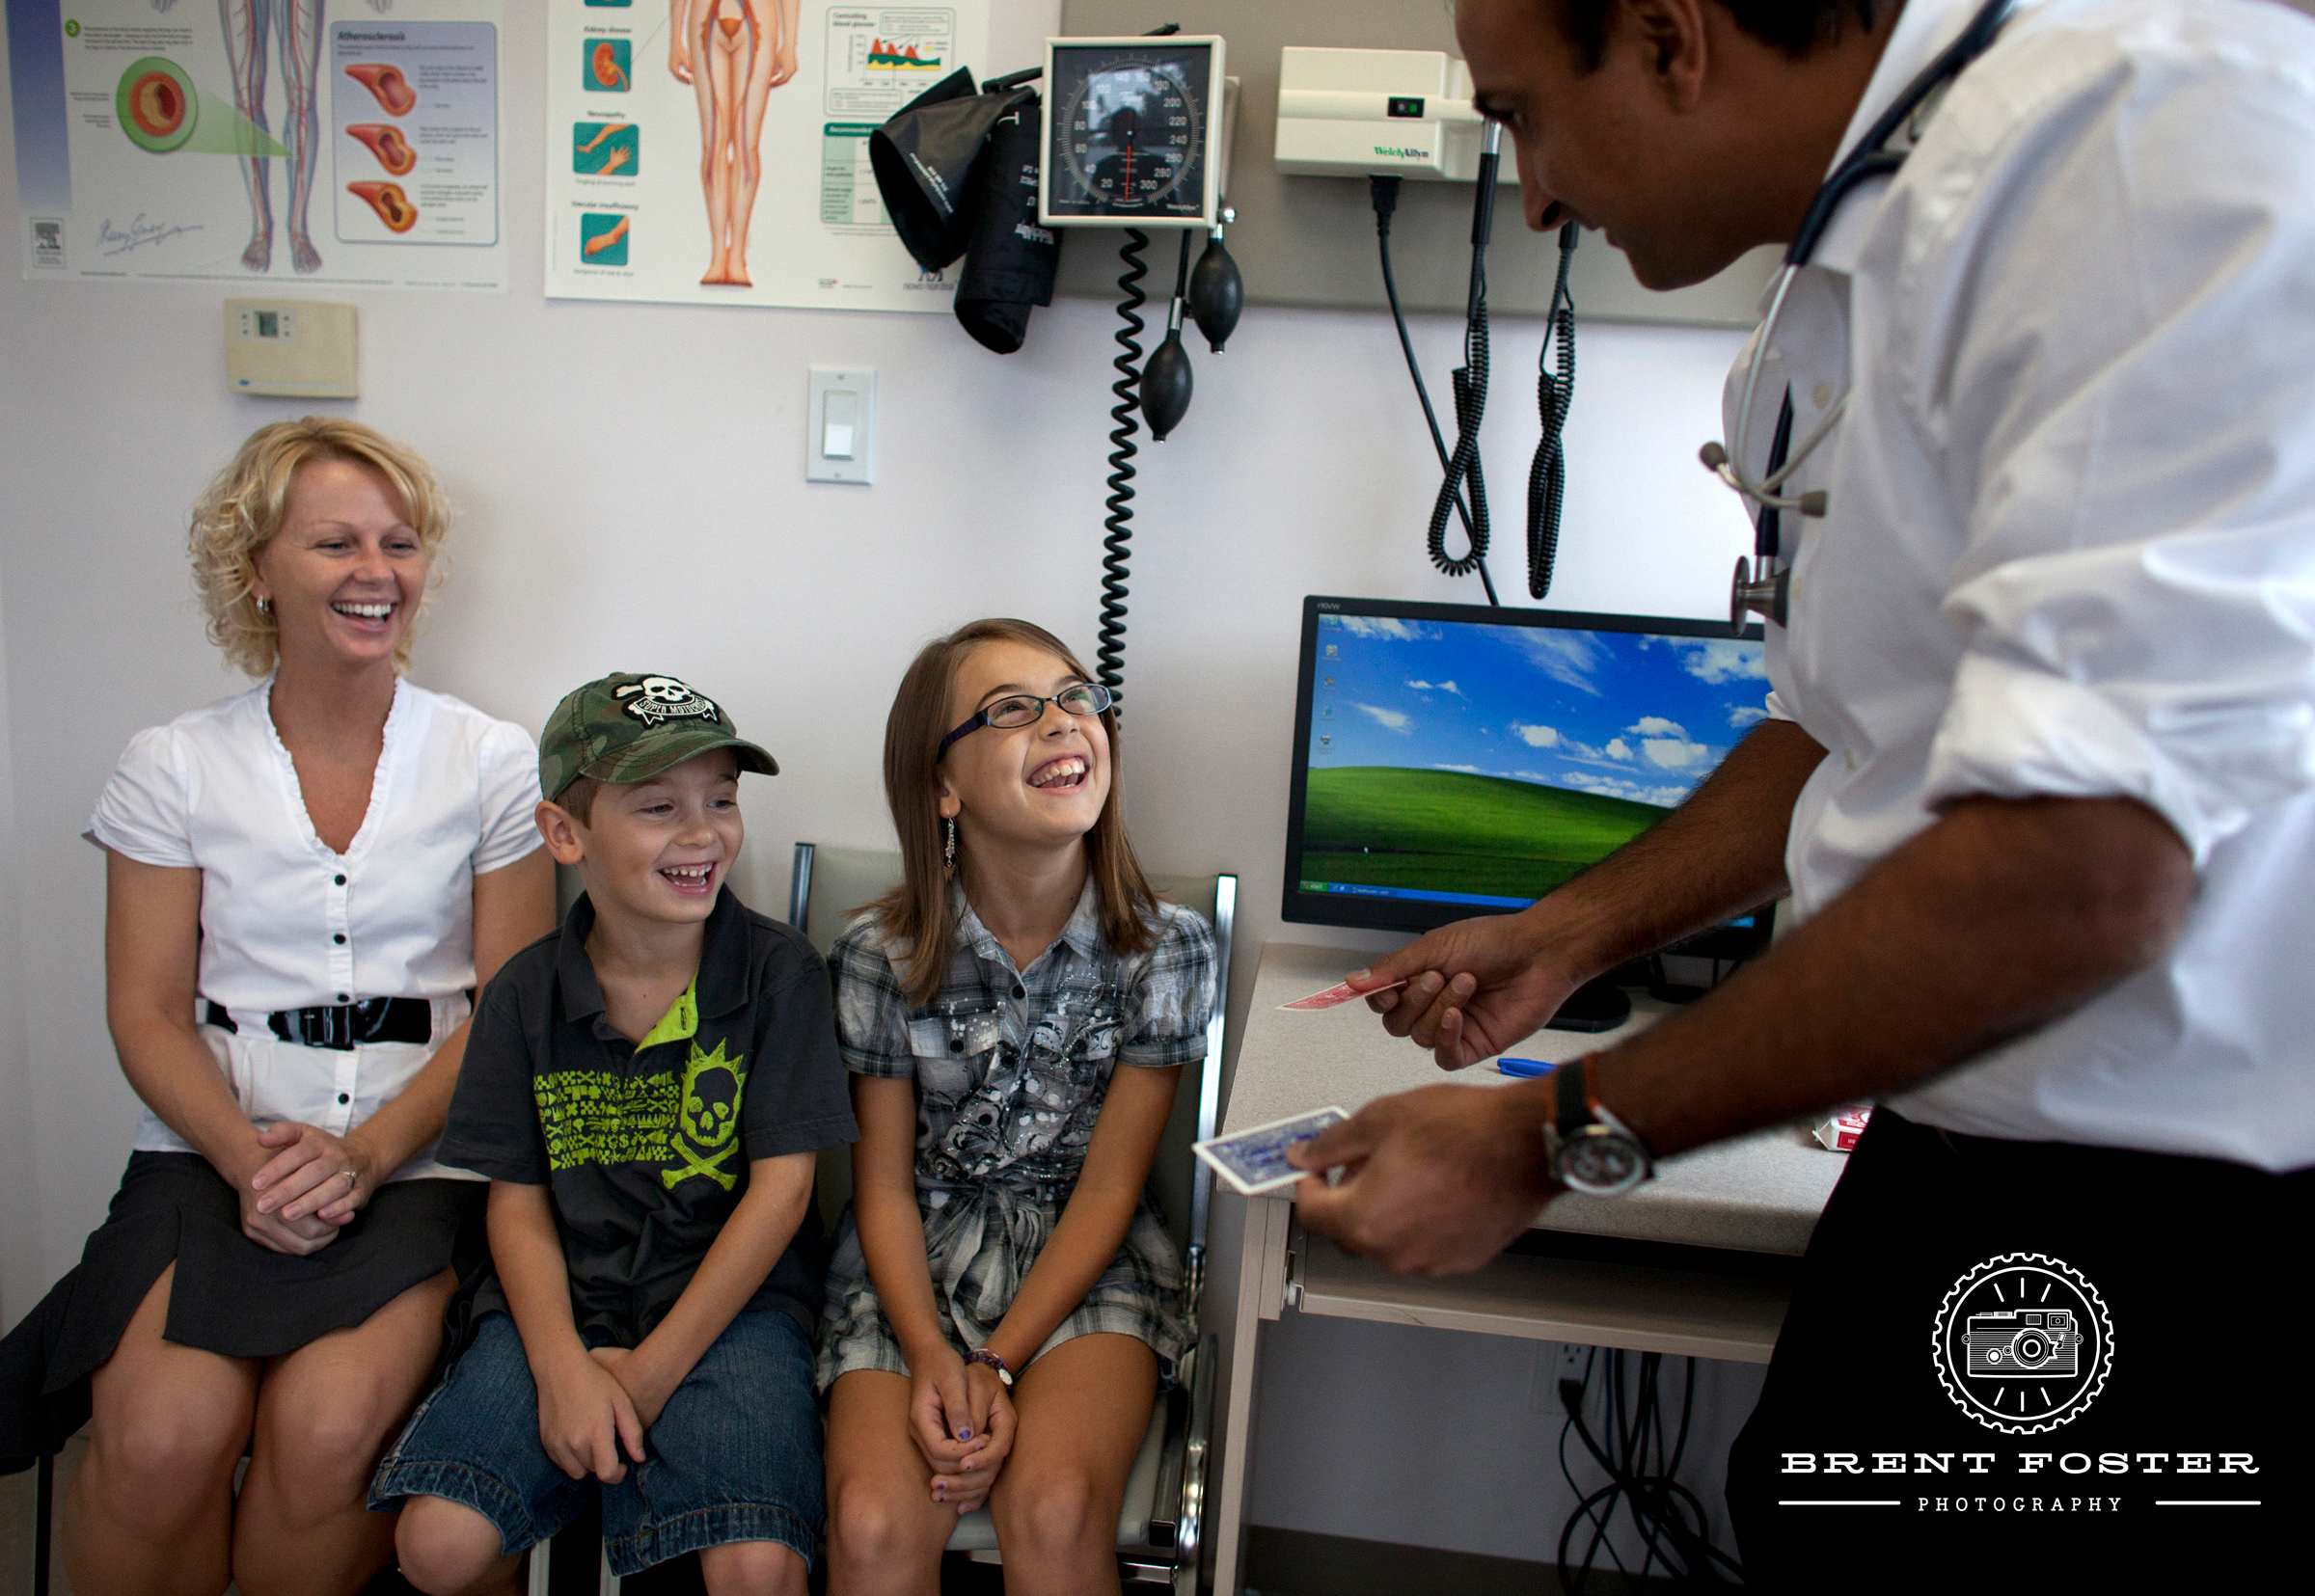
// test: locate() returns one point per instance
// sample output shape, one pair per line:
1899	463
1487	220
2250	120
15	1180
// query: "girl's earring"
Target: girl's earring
948	851
264	605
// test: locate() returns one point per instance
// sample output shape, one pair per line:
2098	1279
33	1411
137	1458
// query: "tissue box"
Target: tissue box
1839	1133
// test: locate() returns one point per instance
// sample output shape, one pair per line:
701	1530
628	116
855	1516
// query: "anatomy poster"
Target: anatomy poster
353	143
716	151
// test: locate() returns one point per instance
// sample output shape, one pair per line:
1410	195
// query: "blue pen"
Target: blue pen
1511	1066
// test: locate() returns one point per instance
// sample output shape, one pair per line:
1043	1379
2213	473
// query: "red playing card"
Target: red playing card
1337	993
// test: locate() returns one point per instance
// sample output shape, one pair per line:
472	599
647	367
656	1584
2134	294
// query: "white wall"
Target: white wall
20	1242
630	494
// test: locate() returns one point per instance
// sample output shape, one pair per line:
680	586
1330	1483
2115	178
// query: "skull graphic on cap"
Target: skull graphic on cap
656	699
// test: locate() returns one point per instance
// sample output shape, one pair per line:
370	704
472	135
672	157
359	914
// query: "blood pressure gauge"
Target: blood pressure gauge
1132	132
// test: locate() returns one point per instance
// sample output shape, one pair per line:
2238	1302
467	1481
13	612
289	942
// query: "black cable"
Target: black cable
1117	548
1384	193
1659	1503
1463	466
1555	396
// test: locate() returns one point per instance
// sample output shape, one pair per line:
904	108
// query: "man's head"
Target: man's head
1687	130
640	779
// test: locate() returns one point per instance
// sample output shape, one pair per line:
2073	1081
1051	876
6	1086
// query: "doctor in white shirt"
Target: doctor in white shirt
2038	774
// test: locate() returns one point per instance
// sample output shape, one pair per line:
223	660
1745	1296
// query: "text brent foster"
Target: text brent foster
2027	1463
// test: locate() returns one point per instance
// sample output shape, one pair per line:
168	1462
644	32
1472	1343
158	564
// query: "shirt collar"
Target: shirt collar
1922	29
1082	933
722	978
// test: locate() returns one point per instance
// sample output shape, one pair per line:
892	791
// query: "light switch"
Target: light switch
841	429
836	430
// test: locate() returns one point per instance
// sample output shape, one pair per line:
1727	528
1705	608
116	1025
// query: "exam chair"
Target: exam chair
1160	1532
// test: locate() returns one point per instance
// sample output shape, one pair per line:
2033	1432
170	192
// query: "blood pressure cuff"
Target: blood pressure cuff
1012	262
927	159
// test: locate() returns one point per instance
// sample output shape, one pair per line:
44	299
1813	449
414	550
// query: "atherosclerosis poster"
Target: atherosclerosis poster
350	143
716	151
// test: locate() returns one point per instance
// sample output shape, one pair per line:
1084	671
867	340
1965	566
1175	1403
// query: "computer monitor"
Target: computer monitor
1453	760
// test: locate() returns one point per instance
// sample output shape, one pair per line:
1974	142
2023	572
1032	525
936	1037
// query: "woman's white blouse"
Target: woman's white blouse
288	923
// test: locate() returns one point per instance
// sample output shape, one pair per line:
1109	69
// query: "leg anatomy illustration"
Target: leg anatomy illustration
298	24
733	53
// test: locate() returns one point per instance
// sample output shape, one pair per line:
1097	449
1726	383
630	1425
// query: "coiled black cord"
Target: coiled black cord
1384	191
1547	475
1464	474
1110	657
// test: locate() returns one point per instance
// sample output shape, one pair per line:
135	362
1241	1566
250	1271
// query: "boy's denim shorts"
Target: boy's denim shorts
735	1455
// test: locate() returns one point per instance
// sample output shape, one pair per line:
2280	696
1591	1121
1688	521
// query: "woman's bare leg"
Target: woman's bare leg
325	1413
150	1510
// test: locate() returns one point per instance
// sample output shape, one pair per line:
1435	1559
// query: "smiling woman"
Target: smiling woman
304	882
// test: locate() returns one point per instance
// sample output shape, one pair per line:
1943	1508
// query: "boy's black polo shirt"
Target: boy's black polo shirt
645	1150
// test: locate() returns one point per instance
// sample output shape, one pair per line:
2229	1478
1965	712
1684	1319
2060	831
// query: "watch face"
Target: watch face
1601	1165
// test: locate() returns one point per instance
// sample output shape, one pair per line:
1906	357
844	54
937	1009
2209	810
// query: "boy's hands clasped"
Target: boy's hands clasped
586	1416
960	1418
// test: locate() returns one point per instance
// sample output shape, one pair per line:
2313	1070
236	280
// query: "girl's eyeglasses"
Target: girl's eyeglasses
1027	709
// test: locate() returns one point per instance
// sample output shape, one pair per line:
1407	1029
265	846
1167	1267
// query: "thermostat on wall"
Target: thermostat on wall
295	348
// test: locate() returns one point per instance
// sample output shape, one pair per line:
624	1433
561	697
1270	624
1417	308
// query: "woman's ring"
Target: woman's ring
351	1178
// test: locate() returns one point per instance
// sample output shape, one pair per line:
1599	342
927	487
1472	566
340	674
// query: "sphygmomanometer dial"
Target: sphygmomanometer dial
1129	132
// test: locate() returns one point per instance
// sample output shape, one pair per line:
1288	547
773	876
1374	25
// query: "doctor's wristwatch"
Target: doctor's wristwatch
1590	1151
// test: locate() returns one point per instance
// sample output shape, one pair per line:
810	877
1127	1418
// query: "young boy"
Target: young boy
646	1088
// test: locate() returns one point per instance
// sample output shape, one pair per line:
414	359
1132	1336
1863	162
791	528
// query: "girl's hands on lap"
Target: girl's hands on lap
313	1175
586	1416
939	1411
967	1488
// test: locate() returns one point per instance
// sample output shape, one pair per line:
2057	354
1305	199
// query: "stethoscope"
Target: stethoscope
1762	585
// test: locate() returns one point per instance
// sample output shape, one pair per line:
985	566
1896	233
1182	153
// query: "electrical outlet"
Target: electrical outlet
1555	1362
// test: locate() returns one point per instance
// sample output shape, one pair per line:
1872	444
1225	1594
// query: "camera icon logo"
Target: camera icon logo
2023	1342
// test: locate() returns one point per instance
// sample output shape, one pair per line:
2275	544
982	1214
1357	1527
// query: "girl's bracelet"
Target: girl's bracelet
1005	1371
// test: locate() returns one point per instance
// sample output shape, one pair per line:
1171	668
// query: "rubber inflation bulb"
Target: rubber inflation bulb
1217	293
1165	385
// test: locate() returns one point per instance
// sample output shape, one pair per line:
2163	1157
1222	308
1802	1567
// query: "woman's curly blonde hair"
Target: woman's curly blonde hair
241	510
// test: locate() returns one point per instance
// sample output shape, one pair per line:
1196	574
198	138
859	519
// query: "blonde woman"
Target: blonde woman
304	882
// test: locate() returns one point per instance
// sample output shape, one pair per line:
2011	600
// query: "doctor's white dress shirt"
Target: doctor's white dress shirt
289	923
2070	541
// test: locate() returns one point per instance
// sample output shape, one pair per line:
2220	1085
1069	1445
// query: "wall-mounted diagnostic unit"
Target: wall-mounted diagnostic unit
1133	132
291	348
1382	113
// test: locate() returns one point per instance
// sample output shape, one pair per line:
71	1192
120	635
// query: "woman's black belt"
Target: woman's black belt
341	1025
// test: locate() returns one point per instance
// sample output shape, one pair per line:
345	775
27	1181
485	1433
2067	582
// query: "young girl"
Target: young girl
1004	1298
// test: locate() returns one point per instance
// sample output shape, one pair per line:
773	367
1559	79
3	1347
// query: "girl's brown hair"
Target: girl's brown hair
915	915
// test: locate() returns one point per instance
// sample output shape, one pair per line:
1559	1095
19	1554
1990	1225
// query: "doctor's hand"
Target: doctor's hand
1435	1181
1474	988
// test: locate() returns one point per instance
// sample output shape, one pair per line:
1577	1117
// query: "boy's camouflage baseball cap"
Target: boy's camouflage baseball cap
627	727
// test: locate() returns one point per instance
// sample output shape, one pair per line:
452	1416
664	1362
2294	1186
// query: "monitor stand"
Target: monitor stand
1594	1005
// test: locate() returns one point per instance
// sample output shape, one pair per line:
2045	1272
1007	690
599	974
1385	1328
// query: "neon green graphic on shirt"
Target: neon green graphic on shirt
594	1116
708	1121
681	1021
598	1116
